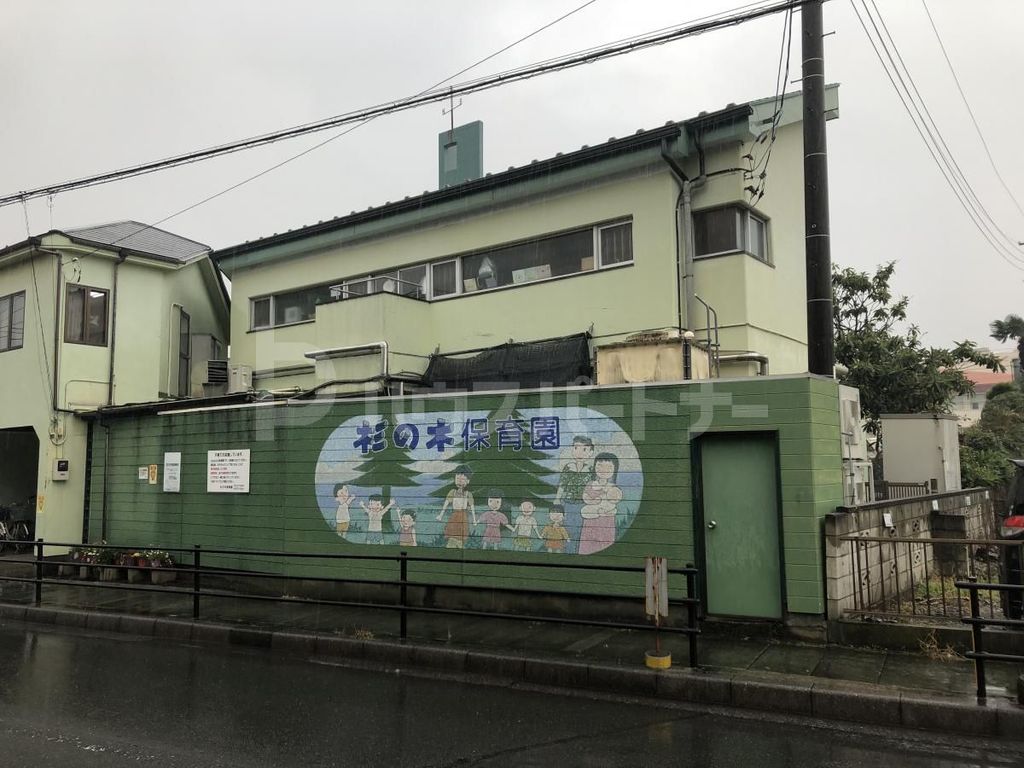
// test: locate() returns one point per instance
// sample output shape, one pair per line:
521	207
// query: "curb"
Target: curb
823	698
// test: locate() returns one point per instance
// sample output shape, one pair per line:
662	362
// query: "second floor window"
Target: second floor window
85	315
12	321
730	230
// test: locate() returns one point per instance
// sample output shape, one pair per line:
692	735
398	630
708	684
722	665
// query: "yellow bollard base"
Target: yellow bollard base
658	660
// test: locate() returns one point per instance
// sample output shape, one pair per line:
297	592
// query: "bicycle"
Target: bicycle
14	534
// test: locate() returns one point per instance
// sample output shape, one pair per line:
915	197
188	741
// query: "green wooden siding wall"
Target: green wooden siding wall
281	512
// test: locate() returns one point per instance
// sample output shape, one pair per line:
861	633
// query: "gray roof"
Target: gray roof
140	238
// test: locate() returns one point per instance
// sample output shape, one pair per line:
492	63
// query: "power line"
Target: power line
320	144
428	97
927	132
970	111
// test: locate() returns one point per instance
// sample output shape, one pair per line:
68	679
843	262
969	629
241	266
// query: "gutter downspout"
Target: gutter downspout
58	272
685	246
106	478
113	328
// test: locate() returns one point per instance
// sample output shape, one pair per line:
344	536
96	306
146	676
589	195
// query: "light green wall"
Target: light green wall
616	301
144	292
760	306
282	513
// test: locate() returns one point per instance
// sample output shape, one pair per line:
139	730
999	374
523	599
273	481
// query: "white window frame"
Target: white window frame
742	216
599	252
252	313
457	261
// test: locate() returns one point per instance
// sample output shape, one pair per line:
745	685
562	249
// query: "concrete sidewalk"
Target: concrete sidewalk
749	670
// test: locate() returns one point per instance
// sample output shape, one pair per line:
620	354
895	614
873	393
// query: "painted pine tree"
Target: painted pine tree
387	466
501	457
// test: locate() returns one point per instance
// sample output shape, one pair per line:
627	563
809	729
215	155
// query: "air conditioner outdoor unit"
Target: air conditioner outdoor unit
239	378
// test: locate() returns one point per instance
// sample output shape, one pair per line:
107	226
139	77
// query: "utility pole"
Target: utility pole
818	255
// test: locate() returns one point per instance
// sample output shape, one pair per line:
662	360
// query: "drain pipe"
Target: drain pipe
748	357
113	326
685	247
685	288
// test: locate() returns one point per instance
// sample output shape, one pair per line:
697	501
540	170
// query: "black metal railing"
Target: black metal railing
905	576
978	623
402	583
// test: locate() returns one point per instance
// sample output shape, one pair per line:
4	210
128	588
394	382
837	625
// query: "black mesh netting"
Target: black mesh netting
529	364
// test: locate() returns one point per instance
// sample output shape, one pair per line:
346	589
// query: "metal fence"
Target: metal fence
191	565
886	490
978	622
900	576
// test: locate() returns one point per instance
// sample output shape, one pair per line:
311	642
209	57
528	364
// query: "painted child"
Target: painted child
554	533
601	498
407	529
456	531
575	475
342	518
525	528
375	512
493	519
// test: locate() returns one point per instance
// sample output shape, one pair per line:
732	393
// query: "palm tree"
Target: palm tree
1010	328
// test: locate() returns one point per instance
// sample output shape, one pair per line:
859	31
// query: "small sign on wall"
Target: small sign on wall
143	473
227	471
172	472
154	472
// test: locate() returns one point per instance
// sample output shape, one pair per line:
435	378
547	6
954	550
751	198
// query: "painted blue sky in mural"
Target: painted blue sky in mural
556	480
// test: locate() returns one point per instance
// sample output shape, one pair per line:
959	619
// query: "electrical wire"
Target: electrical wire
47	379
930	122
781	78
431	96
970	111
326	141
927	135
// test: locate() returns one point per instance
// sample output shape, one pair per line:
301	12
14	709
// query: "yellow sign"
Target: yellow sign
40	502
153	469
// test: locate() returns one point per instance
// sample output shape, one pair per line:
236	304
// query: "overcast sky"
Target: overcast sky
89	87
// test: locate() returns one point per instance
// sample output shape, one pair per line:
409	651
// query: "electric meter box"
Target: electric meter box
61	469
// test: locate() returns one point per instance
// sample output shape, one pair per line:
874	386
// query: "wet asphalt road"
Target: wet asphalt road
72	698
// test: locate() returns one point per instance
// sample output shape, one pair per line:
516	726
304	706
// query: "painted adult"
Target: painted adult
456	530
575	474
601	498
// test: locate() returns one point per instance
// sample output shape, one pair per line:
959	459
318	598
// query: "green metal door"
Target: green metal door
741	525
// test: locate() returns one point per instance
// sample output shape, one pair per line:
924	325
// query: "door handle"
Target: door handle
712	524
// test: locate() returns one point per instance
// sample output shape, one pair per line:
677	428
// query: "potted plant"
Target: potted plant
163	564
139	561
107	558
69	568
87	561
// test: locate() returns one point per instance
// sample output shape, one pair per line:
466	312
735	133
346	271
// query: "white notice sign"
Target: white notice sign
172	472
227	471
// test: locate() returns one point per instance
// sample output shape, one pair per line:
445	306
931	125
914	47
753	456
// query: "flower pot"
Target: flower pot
67	571
109	574
135	576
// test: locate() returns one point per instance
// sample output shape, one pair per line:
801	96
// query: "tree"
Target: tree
387	467
1010	328
987	447
522	465
1001	388
886	359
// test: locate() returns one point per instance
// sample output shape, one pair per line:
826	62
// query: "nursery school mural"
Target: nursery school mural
555	480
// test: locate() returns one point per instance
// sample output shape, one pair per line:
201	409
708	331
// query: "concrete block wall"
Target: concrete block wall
869	573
